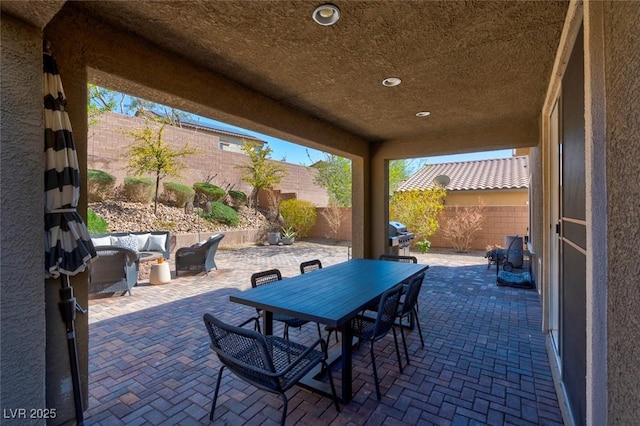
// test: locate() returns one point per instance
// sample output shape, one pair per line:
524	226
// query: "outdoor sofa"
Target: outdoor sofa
151	242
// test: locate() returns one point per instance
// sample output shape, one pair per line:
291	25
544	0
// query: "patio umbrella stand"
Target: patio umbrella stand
68	247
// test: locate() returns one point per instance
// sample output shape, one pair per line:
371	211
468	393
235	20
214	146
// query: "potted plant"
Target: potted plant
288	236
273	238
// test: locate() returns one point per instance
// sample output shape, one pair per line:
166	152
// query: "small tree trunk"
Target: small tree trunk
155	205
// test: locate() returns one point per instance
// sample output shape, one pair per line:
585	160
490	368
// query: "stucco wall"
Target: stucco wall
622	57
22	313
107	146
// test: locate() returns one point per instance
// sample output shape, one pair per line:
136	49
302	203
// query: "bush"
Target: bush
299	215
176	194
138	189
100	185
237	199
95	223
462	225
212	192
221	213
424	246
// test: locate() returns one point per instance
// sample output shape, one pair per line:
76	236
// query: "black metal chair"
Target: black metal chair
374	329
268	277
398	258
407	308
310	265
269	363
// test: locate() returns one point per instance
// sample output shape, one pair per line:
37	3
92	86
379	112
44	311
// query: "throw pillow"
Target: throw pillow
127	242
156	242
101	241
142	239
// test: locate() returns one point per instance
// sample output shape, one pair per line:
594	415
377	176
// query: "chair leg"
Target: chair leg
333	388
285	335
404	341
419	329
395	340
319	332
215	394
375	372
284	409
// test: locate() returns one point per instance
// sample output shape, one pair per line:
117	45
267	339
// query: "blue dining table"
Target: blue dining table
332	296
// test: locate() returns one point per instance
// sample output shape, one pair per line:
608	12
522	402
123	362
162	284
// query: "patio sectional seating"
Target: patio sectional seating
151	242
198	257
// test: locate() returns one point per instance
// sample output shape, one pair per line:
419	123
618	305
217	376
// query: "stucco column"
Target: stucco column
22	316
379	204
621	30
68	50
361	207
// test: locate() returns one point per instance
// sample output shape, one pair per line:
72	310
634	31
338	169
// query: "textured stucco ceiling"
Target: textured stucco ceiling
472	64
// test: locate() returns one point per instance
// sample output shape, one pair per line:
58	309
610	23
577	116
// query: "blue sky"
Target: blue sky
297	154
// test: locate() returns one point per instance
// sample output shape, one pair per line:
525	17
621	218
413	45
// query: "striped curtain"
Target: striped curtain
68	247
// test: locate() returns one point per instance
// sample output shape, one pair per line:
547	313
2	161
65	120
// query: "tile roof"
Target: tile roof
502	173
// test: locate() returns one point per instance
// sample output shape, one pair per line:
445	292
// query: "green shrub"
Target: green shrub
176	194
221	213
424	246
138	189
237	199
100	185
212	192
299	215
95	223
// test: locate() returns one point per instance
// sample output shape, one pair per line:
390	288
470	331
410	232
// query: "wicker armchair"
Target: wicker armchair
199	257
269	363
115	270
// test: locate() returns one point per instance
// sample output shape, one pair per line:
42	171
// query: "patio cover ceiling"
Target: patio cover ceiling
482	66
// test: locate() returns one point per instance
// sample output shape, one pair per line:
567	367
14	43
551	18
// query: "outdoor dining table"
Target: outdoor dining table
332	296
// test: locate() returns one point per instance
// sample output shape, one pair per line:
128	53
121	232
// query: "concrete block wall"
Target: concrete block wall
499	222
107	148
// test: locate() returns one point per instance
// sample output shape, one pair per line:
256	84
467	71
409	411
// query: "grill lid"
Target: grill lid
396	228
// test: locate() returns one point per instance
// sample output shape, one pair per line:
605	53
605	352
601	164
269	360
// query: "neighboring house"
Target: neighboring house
501	185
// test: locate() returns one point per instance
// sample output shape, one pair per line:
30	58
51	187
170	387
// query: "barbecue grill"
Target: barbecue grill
399	238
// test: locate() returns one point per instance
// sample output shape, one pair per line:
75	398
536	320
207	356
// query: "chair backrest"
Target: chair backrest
387	311
243	351
310	265
265	277
411	296
398	258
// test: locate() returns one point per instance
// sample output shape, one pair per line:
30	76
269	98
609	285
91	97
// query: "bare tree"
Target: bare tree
460	228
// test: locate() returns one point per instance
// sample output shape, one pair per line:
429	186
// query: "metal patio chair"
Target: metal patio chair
310	265
268	277
269	363
408	308
372	330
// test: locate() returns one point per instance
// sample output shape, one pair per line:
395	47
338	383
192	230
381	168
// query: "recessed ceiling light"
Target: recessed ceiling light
391	81
326	14
423	114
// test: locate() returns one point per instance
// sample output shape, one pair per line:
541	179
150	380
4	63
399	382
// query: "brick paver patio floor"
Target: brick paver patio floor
484	360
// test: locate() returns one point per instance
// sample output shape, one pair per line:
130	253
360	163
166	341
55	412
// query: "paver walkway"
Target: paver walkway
484	360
